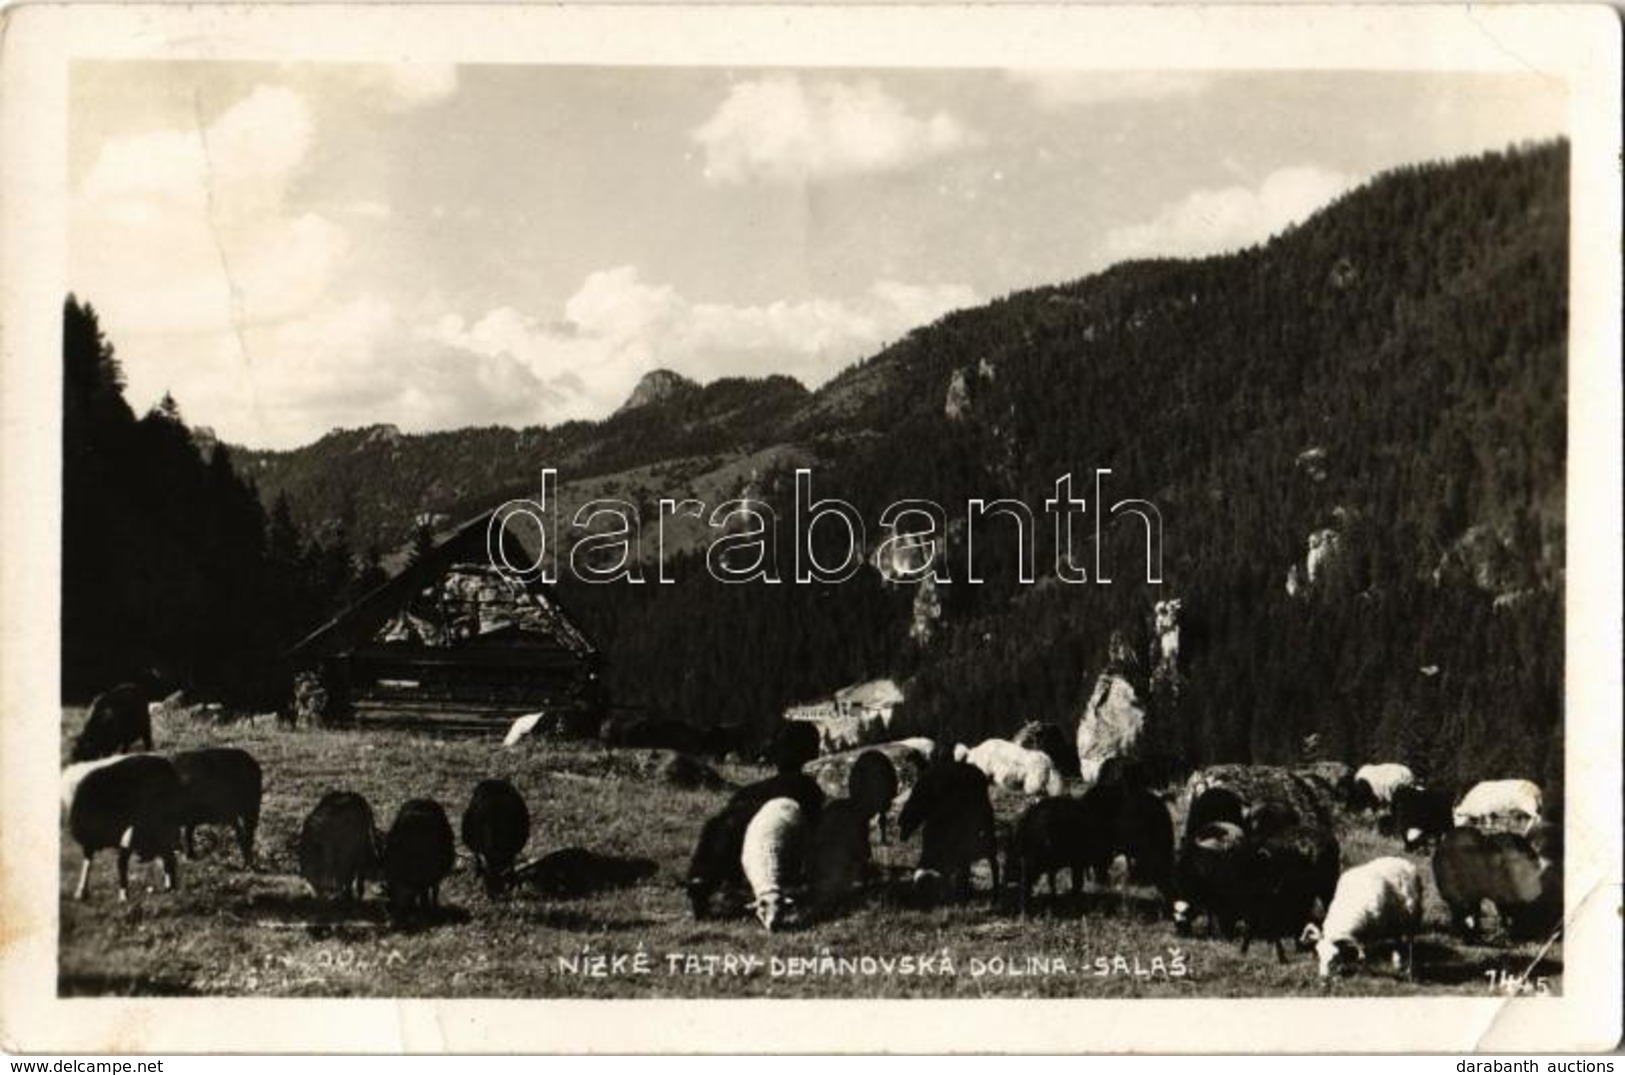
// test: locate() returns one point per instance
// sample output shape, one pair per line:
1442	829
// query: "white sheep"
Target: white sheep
1383	780
1518	801
1379	901
770	855
1013	767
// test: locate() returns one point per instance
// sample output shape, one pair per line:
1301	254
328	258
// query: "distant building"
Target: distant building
856	716
450	643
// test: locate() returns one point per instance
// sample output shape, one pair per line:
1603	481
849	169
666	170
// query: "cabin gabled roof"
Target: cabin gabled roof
464	554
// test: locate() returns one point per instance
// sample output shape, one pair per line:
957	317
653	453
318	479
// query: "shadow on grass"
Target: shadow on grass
563	918
123	985
340	919
1439	963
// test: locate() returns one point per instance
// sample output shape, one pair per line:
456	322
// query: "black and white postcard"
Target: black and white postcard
1071	525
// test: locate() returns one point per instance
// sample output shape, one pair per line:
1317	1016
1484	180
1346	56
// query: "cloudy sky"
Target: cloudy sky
289	248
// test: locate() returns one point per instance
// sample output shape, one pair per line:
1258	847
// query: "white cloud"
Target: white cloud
405	86
1212	221
780	129
187	231
618	327
1065	87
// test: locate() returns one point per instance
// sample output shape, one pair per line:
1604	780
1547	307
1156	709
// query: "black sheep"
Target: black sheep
785	785
1211	878
572	872
496	825
1266	818
950	805
1289	871
1052	834
118	719
132	804
419	851
221	786
715	863
1471	867
1419	815
1135	824
838	858
1215	804
338	846
872	784
794	745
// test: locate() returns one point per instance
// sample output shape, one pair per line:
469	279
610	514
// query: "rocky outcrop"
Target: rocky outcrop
1484	557
961	389
1114	717
927	613
1311	462
957	405
1325	546
654	387
1165	667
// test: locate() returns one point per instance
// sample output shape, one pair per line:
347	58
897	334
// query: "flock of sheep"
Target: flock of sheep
1257	856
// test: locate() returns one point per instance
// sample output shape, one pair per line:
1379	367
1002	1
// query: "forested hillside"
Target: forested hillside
1393	371
1387	378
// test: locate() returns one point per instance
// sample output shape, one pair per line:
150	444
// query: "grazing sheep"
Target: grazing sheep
130	803
1417	816
1135	824
338	846
419	851
838	857
1215	804
1290	872
220	786
872	784
1012	767
118	719
1336	778
1471	867
573	872
950	806
1268	817
1212	877
1512	805
1546	837
1374	785
715	863
1255	784
496	826
1380	901
785	785
793	746
1052	834
771	857
1049	738
834	771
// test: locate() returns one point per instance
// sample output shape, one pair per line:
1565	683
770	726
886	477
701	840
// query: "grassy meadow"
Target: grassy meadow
228	931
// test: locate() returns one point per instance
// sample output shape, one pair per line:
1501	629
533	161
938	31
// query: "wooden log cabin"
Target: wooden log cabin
450	645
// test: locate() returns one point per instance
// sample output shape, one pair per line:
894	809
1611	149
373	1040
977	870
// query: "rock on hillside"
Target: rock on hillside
655	387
